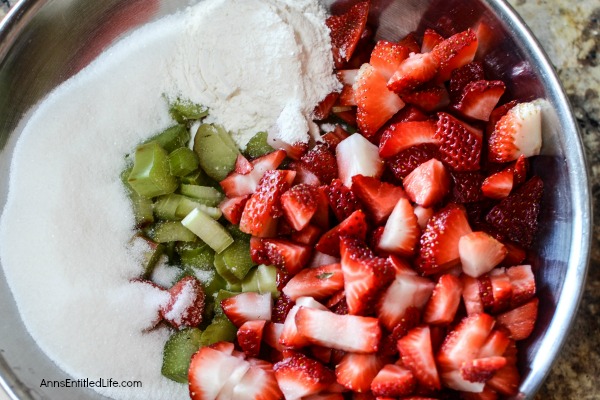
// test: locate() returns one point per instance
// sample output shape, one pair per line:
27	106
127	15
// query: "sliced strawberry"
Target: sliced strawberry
454	52
281	308
246	178
460	143
495	345
346	31
282	253
462	76
356	371
357	156
430	39
520	321
299	376
498	185
519	132
387	56
495	290
413	72
376	103
403	135
347	76
439	242
506	380
249	306
423	214
410	42
323	109
365	275
334	137
427	184
309	235
303	174
318	282
515	217
233	208
393	381
479	98
417	356
443	304
379	198
262	209
290	337
522	283
407	160
355	226
350	333
471	296
299	204
342	200
249	336
480	253
428	98
407	292
466	187
186	303
346	98
498	113
272	333
482	369
325	396
257	383
401	233
320	160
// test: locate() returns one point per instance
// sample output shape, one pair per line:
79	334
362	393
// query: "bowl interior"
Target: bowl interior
55	39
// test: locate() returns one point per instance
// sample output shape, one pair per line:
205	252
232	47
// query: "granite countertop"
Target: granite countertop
569	31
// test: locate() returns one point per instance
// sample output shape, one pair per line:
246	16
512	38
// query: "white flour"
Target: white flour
66	226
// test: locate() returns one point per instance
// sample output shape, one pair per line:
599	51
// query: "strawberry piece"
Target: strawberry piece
462	76
272	333
430	39
292	257
403	135
262	209
290	336
376	103
282	307
393	381
233	208
325	396
417	356
482	369
299	376
495	290
407	160
522	283
357	156
334	137
423	214
439	242
365	275
495	345
356	371
427	184
519	132
410	42
519	169
413	72
406	292
321	161
350	333
249	336
454	52
387	56
186	304
303	175
506	380
379	198
246	177
355	226
401	233
460	143
323	109
520	321
479	98
257	383
444	301
347	76
309	235
480	253
498	113
319	282
346	31
249	306
516	254
515	217
498	185
429	98
471	296
342	200
346	98
466	187
299	204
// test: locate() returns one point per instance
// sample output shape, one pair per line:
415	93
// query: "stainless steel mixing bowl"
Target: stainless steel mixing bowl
44	42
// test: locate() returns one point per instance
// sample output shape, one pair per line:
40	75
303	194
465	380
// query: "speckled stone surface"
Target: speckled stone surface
569	31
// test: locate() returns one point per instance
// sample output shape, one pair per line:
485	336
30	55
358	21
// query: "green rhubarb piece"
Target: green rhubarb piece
206	195
250	282
141	206
222	295
206	228
183	111
150	257
198	255
172	138
266	277
223	270
187	205
237	259
165	207
172	231
235	232
150	176
178	351
183	161
217	157
257	146
227	139
233	286
220	330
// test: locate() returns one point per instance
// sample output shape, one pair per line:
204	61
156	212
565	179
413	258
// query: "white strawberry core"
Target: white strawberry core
528	132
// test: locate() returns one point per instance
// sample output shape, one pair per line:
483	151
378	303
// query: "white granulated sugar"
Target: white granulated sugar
183	301
163	274
248	60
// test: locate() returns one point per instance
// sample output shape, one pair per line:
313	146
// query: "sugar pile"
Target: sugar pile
66	227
